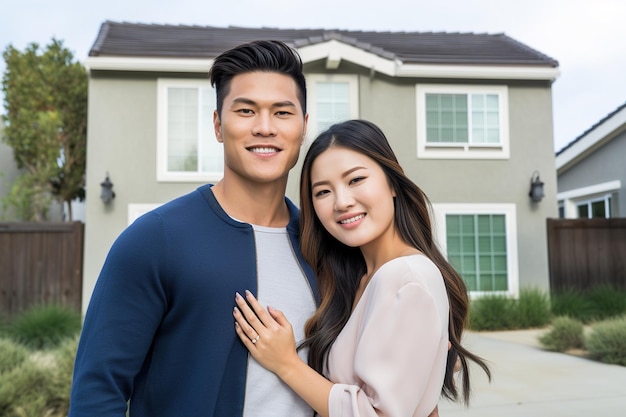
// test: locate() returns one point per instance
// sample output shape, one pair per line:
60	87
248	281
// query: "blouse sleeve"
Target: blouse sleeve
399	358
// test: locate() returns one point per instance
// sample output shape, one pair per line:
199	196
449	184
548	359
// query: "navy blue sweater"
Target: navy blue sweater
159	328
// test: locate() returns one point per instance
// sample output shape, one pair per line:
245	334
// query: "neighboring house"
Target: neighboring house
591	170
469	116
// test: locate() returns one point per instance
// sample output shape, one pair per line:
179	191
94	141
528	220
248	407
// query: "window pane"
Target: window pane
333	103
598	209
446	118
476	246
182	129
485	119
191	143
583	211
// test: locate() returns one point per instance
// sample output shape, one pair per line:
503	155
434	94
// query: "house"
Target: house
469	116
591	170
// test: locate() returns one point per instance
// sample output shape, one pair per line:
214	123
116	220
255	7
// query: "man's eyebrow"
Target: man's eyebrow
286	103
244	100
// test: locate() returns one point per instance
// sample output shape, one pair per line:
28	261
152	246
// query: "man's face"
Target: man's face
261	126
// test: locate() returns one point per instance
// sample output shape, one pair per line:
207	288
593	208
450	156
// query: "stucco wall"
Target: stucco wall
122	142
603	165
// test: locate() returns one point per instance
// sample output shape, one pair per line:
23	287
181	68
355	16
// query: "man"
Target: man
159	331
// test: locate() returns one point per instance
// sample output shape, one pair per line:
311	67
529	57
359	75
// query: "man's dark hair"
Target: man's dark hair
264	55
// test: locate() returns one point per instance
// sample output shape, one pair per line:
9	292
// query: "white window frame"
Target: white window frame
570	199
312	80
136	210
462	150
163	175
440	211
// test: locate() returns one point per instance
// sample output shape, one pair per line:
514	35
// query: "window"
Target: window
331	99
480	242
462	122
187	148
596	208
590	201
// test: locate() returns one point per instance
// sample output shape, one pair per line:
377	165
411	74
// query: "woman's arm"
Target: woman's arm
268	335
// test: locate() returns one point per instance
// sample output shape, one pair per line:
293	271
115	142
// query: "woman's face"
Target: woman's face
352	197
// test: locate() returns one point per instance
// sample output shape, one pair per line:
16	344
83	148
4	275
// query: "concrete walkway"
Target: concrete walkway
528	381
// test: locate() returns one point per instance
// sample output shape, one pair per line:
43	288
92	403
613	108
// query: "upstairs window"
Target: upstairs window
462	122
332	98
187	149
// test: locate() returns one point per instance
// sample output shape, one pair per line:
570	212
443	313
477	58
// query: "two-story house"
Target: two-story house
469	116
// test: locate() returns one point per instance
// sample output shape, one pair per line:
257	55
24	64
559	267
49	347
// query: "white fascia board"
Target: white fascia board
338	50
109	63
605	187
395	68
335	50
590	140
498	72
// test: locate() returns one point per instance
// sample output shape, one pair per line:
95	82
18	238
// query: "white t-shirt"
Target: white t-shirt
281	284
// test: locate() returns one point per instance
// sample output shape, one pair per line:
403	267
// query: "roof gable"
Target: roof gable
595	137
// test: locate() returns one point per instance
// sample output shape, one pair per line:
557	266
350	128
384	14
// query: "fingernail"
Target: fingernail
248	293
237	296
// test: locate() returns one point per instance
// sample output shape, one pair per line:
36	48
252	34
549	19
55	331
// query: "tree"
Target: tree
45	97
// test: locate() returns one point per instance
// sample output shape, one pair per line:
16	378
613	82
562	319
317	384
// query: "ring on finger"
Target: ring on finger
256	339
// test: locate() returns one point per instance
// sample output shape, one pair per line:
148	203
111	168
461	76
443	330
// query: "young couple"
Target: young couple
174	301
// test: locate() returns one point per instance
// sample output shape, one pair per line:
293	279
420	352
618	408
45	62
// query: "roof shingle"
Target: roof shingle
152	40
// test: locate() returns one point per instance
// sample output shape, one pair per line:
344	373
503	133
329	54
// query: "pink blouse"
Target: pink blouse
389	359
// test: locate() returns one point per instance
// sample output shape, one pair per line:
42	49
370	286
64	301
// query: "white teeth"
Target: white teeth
263	150
352	219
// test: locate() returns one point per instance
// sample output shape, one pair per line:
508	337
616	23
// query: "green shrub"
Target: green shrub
590	305
12	354
44	326
607	341
532	309
40	385
565	333
606	302
492	312
571	303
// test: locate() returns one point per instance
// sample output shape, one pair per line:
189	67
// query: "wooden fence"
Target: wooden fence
586	253
40	264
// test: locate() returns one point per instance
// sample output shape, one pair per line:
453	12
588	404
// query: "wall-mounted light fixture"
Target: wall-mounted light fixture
536	188
107	194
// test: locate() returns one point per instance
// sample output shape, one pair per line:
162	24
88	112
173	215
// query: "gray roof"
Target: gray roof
155	40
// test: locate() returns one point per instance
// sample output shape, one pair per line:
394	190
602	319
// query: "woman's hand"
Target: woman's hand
268	335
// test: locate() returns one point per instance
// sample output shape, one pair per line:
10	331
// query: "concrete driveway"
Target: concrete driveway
531	382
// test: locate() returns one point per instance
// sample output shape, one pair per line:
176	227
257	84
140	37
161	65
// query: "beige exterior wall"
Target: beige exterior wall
122	141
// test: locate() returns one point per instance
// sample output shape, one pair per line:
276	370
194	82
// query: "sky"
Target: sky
586	37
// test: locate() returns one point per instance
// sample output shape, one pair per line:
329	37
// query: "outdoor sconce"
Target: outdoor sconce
536	188
107	194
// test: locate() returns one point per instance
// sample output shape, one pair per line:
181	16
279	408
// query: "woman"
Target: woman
378	343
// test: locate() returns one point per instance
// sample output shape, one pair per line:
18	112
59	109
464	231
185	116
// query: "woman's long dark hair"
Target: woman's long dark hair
339	267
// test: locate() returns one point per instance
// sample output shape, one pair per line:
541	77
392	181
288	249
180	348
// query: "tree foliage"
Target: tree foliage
45	98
